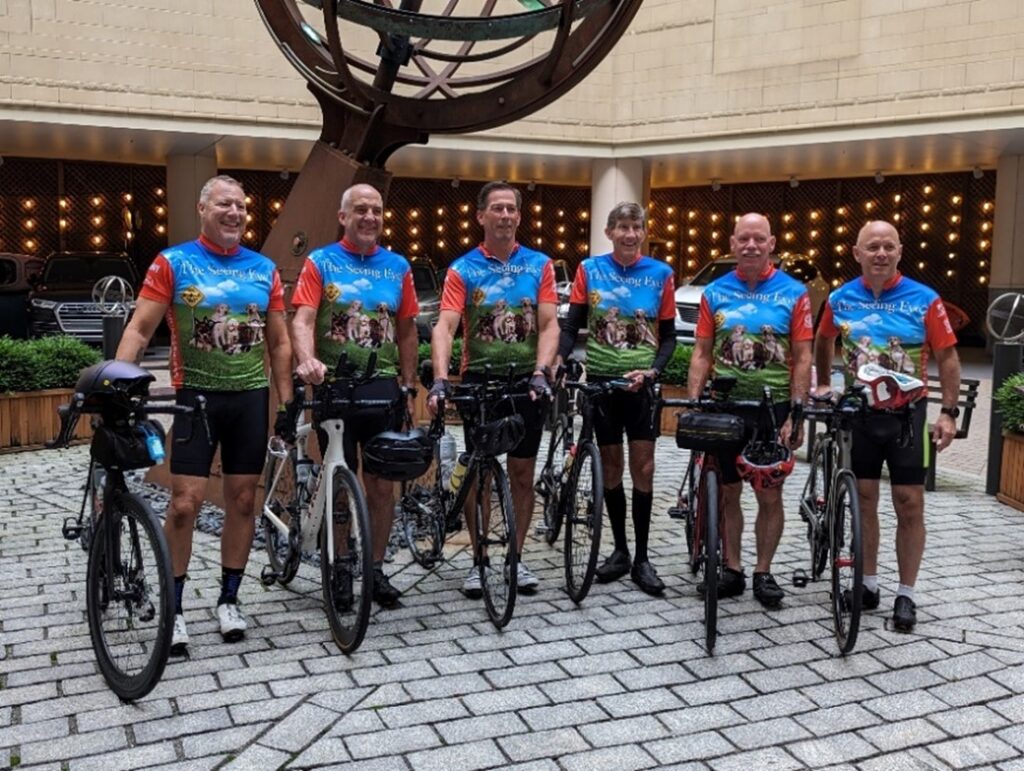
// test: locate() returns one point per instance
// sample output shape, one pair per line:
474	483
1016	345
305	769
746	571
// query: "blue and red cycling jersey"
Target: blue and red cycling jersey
359	298
498	301
895	330
624	305
217	304
754	329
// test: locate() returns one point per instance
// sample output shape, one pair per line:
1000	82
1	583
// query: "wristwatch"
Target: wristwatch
953	412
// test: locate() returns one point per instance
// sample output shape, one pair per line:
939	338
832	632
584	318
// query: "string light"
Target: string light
414	214
159	192
127	197
691	214
440	211
815	215
987	206
161	229
927	189
63	203
926	208
986	226
248	201
97	220
30	245
63	223
956	199
160	210
982	279
897	198
97	240
537	208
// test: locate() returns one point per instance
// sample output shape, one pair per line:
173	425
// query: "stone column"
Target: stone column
185	177
613	181
1007	273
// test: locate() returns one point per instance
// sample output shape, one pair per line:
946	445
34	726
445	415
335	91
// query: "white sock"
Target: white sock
905	591
871	584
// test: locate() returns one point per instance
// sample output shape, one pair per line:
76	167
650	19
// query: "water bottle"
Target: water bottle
838	383
459	472
153	444
447	456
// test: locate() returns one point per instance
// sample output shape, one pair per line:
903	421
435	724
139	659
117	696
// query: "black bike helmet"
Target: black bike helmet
113	380
398	456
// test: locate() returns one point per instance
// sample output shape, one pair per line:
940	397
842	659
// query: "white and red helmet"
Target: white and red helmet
889	390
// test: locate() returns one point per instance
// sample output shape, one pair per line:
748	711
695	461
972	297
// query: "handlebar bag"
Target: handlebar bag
124	448
709	432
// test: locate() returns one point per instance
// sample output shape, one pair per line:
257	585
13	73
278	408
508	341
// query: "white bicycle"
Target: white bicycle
297	500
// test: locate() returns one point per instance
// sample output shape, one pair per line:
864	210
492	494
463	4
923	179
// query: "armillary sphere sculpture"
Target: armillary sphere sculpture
408	72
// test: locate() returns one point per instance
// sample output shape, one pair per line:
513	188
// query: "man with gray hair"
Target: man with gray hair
627	303
223	302
372	290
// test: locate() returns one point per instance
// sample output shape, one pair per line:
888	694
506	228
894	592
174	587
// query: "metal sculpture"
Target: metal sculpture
434	73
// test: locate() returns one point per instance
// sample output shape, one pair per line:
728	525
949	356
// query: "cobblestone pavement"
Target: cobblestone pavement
620	683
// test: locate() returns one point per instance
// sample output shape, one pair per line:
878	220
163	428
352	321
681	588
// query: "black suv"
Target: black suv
61	301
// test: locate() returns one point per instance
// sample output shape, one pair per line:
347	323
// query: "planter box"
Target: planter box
29	418
1011	475
668	414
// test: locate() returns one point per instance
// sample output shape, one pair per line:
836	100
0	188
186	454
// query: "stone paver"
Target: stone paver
621	682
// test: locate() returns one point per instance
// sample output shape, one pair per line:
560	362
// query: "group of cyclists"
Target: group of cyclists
225	309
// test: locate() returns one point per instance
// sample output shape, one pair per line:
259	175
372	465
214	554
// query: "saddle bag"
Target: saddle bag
709	432
499	436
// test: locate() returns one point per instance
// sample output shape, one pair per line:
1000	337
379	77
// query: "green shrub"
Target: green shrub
49	362
425	353
1009	398
678	366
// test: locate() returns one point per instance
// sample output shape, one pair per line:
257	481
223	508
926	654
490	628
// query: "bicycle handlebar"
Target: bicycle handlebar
70	414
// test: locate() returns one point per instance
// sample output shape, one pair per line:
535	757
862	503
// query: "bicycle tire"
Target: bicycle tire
712	553
347	579
130	633
813	507
583	511
687	499
558	446
496	544
282	497
423	521
847	561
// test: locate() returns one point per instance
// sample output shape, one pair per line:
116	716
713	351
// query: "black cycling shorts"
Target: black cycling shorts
728	472
238	423
366	422
532	412
877	441
629	411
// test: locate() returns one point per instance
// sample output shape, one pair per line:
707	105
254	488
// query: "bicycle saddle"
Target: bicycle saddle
889	390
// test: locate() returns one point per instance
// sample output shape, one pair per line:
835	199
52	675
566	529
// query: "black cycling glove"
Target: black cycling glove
539	385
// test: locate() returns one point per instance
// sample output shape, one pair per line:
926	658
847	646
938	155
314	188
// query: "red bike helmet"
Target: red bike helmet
765	464
889	390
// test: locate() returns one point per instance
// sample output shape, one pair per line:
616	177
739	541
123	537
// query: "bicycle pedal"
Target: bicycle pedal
268	576
677	512
800	578
71	530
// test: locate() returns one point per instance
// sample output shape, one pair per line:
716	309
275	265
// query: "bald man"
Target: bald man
354	297
885	314
754	308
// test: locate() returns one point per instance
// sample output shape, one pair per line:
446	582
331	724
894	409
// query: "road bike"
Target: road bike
563	424
298	493
431	505
831	509
706	430
129	580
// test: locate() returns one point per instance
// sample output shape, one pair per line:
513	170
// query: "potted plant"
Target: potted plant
1009	399
36	377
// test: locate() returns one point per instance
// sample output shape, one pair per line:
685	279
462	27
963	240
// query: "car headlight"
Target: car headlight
44	304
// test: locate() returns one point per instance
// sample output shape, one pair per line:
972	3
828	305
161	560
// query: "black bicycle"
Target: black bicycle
129	580
830	506
562	427
432	504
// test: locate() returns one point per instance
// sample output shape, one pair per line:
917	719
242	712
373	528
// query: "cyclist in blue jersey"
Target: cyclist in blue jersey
755	326
885	318
224	306
503	294
626	302
354	297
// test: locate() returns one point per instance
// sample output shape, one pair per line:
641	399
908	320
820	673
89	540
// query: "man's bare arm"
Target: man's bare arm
140	329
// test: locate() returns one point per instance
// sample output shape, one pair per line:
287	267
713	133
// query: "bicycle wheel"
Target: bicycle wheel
130	610
346	567
712	554
281	490
422	511
813	505
583	508
553	474
496	543
847	558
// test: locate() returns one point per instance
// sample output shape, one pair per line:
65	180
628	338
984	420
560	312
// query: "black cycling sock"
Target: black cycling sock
615	502
230	580
179	589
641	523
